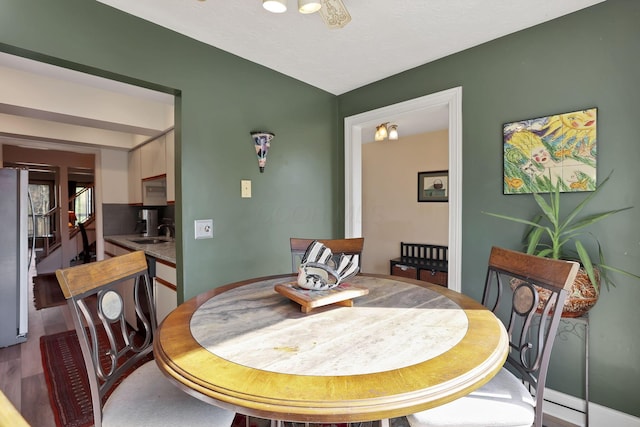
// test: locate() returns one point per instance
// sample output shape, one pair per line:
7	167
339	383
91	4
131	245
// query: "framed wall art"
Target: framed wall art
433	186
558	149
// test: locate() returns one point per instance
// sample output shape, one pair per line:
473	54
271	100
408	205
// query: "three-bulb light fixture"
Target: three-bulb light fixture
280	6
386	131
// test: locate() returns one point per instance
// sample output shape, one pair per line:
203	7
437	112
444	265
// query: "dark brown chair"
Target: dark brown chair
514	396
352	246
96	294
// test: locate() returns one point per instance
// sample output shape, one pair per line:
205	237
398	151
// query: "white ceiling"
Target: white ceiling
383	39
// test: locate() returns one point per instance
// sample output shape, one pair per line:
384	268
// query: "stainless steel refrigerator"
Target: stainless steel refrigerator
14	256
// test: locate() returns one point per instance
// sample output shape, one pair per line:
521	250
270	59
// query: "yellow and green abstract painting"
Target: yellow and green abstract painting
559	149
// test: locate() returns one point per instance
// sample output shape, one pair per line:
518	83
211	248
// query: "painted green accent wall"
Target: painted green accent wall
590	58
222	99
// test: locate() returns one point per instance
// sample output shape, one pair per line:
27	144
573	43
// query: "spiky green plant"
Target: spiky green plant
552	236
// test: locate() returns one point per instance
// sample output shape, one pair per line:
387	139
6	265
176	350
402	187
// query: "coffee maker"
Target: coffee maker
148	222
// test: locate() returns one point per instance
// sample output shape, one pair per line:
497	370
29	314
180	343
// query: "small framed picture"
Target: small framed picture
433	186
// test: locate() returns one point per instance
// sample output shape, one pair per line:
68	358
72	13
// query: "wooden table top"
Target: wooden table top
404	347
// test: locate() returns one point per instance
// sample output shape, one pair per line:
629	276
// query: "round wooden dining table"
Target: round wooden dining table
404	347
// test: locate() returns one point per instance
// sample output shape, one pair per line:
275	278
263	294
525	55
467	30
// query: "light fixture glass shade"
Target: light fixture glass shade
262	142
381	132
309	6
393	132
275	6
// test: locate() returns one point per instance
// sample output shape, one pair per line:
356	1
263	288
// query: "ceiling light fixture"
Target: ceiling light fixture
309	6
381	132
385	130
393	132
275	6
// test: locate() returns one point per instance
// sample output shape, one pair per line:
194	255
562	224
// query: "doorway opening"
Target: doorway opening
355	126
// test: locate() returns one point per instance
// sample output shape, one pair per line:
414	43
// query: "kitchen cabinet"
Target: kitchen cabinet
153	158
171	173
135	178
164	289
165	294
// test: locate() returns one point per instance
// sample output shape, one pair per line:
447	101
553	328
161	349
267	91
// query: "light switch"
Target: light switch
245	188
204	228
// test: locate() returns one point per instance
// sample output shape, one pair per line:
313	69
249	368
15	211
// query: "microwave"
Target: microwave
154	192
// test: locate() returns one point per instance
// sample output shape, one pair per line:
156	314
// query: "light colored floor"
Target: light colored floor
21	375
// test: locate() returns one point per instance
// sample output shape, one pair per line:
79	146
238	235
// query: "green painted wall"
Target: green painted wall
590	58
223	98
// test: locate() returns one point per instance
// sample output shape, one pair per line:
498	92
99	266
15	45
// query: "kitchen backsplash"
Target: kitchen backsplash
123	219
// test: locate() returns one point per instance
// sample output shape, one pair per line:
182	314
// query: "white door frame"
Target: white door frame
353	126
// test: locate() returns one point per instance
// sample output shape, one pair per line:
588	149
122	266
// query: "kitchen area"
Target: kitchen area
147	222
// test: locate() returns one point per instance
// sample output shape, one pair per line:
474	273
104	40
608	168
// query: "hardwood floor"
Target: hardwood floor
21	374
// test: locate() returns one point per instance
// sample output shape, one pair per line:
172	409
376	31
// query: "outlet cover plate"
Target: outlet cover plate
203	228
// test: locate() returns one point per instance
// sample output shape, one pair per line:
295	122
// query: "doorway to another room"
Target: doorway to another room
420	109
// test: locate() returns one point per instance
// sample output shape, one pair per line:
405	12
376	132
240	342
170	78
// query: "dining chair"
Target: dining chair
351	246
514	396
127	389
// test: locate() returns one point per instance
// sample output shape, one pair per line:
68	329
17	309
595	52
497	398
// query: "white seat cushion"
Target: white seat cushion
147	398
502	402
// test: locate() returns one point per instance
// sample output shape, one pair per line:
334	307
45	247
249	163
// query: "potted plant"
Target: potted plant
551	235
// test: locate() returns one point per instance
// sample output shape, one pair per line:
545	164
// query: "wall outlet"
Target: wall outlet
203	228
245	188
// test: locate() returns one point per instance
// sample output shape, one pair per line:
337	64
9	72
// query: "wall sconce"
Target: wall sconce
262	142
385	131
275	6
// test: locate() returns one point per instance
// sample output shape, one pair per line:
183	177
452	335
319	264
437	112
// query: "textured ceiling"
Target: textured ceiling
384	37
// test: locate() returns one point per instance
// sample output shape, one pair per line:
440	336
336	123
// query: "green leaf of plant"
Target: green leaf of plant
585	259
586	200
591	219
546	209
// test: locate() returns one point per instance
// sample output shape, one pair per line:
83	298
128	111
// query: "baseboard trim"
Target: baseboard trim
572	409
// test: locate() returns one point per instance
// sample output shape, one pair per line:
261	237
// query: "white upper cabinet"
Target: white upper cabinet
135	178
153	161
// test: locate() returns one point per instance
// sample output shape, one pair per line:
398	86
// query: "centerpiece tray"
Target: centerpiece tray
342	294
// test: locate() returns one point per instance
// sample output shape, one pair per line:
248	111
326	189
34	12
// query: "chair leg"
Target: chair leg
384	422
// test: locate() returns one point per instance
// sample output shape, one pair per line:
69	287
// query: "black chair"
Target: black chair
87	255
514	396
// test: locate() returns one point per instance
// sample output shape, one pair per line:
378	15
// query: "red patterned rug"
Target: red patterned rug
67	380
69	392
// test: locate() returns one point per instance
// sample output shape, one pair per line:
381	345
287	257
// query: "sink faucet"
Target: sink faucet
169	230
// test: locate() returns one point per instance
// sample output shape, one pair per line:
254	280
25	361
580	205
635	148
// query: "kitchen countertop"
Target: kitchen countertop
165	251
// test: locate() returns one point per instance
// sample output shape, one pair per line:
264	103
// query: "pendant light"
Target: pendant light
275	6
309	6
